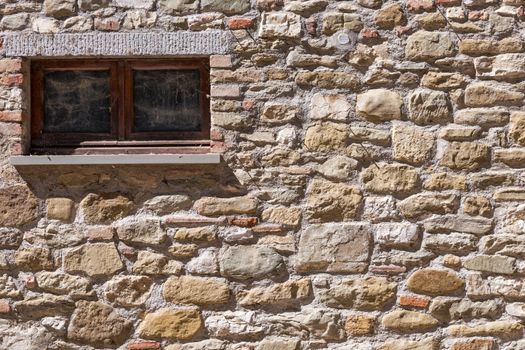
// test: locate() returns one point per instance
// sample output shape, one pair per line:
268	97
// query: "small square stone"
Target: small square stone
60	209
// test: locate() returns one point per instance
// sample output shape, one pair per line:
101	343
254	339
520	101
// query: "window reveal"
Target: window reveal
111	103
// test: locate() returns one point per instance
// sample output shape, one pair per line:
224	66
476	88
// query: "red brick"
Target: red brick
248	104
420	5
5	308
369	33
448	2
221	61
12	80
414	301
311	25
107	24
218	147
144	345
11	116
216	135
478	16
29	281
10	65
243	222
240	23
268	228
17	149
10	129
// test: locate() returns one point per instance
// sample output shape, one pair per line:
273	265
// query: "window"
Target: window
129	106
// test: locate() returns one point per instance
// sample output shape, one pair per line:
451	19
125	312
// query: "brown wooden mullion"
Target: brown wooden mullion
122	97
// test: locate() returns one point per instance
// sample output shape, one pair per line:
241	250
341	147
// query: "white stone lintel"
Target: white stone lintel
182	43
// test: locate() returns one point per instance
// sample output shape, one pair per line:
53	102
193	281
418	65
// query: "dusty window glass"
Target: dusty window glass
77	101
167	100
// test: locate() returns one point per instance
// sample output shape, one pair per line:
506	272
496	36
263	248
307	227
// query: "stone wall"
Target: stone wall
371	195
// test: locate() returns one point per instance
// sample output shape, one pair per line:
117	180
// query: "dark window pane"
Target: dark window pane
167	100
77	101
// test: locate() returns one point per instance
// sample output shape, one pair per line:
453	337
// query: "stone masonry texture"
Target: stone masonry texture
371	194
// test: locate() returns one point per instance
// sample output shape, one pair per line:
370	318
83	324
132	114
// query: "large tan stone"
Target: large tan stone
149	263
517	128
330	201
429	107
128	291
97	259
360	325
288	216
390	179
104	209
443	81
371	293
18	206
337	247
405	321
465	156
285	295
97	324
411	144
60	209
212	206
60	8
326	137
196	290
390	16
379	105
61	283
487	94
180	324
425	204
507	329
403	344
435	282
278	113
478	47
37	306
328	80
34	258
423	46
445	181
483	117
195	234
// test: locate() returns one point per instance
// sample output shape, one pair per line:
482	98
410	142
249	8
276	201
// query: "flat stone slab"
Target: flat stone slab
181	43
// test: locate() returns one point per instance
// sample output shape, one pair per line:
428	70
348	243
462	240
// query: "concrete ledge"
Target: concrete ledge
118	44
121	159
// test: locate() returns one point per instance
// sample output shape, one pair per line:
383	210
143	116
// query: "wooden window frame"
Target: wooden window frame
121	137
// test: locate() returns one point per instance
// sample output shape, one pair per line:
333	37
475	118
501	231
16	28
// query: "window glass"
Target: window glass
77	101
166	100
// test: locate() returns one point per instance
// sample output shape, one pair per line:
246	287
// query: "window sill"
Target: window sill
117	159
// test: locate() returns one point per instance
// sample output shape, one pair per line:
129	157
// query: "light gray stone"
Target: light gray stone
342	247
396	235
141	231
249	262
